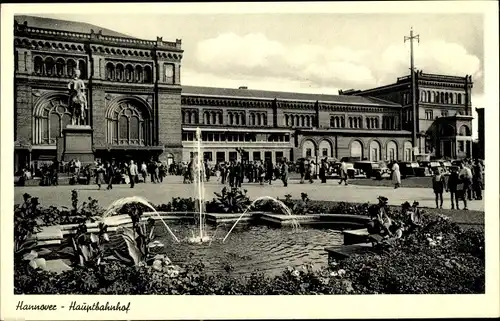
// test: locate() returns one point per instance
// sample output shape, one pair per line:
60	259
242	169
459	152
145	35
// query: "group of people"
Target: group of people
128	173
235	172
382	226
464	184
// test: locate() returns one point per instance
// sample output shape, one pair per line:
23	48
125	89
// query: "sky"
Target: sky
311	53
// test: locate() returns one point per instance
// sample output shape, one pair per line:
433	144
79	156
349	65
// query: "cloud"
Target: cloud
255	58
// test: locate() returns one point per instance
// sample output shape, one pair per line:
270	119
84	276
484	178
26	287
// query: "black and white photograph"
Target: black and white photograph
279	154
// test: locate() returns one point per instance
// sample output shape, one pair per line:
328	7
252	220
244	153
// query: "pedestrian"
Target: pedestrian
438	185
110	174
302	170
99	174
312	171
465	182
133	172
343	173
451	186
269	171
478	180
284	172
322	171
144	171
396	175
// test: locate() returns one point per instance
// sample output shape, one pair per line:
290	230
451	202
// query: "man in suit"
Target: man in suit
133	172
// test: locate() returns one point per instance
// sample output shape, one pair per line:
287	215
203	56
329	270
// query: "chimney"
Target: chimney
243	87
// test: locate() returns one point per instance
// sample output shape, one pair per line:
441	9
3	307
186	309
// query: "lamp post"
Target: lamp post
411	38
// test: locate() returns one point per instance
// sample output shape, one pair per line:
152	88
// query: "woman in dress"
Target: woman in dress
396	175
99	174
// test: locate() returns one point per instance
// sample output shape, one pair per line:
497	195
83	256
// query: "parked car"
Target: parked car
372	169
408	169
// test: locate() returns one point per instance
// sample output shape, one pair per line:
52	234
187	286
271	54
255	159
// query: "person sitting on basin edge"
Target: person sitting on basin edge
381	222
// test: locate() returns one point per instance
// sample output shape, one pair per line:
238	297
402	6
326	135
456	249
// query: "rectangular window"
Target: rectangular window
279	156
428	115
245	156
287	138
207	156
233	156
221	157
169	74
308	152
461	146
256	156
268	156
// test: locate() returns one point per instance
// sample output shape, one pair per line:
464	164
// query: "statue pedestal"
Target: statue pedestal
78	144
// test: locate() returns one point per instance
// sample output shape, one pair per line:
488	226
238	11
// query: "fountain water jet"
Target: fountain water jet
135	199
295	223
198	174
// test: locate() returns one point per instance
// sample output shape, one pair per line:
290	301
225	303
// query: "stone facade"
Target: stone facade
138	108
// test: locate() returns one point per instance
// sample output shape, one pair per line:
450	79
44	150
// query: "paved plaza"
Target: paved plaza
172	186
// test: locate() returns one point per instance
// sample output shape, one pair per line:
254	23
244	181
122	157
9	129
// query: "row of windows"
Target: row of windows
437	97
258	119
233	156
209	117
59	67
235	137
128	73
217	118
299	120
389	122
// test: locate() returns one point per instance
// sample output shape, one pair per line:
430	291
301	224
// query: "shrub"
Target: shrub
233	200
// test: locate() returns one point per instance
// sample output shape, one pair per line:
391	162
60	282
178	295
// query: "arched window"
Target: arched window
351	124
368	120
252	119
446	100
302	121
138	74
407	147
356	149
308	149
464	131
437	100
49	67
214	117
128	123
292	120
231	119
129	73
376	123
308	121
429	97
110	71
243	119
343	121
259	120
459	99
60	67
325	149
221	121
264	119
391	151
70	68
38	65
183	117
375	151
148	74
50	118
206	118
441	99
237	118
119	72
424	96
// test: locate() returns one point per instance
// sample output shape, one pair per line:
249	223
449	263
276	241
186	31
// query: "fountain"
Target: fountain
295	223
198	174
135	199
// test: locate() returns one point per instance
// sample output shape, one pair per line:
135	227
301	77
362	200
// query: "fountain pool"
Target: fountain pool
251	248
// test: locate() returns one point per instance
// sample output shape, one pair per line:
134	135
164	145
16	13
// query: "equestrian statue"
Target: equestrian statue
77	103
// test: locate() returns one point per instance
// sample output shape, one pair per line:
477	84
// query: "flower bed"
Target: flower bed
438	258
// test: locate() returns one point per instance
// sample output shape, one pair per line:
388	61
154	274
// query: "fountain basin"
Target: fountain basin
53	235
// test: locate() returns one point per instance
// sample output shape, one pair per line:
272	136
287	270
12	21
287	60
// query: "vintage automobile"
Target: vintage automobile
372	169
408	169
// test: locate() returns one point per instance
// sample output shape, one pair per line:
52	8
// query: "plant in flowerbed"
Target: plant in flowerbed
229	200
438	258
